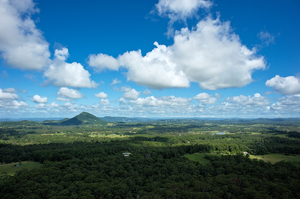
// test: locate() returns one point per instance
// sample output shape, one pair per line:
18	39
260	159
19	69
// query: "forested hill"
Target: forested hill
83	118
100	170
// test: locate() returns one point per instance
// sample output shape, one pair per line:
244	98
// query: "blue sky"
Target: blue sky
153	58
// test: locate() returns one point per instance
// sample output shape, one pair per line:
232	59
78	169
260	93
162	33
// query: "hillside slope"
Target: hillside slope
83	118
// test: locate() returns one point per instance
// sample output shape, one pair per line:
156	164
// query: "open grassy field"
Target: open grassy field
273	158
10	169
199	157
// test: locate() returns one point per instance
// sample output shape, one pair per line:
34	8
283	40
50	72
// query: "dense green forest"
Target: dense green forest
87	161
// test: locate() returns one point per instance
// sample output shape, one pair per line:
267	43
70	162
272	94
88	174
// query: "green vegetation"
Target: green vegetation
12	168
273	158
83	158
199	157
83	118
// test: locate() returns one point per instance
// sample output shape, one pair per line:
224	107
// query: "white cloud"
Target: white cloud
209	54
266	37
67	104
102	61
61	54
115	81
63	74
40	106
180	10
70	107
18	104
130	93
285	85
156	70
21	43
9	90
7	95
101	95
11	104
39	99
163	101
104	102
147	92
53	105
67	94
214	57
167	106
204	98
256	100
287	104
122	100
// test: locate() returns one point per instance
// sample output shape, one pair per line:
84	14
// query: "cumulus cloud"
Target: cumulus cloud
122	100
287	105
63	74
21	43
61	54
256	100
156	70
163	101
40	106
67	104
214	57
101	95
17	104
39	99
285	85
7	95
11	104
67	94
53	105
204	98
130	93
104	102
102	61
180	10
115	81
9	90
209	54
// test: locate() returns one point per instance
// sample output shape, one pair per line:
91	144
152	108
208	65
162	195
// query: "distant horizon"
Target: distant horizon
156	118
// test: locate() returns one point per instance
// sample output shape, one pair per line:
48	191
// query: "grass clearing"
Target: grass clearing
199	157
11	169
273	158
255	133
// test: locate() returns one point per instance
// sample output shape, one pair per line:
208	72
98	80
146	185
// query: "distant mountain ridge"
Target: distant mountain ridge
126	119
